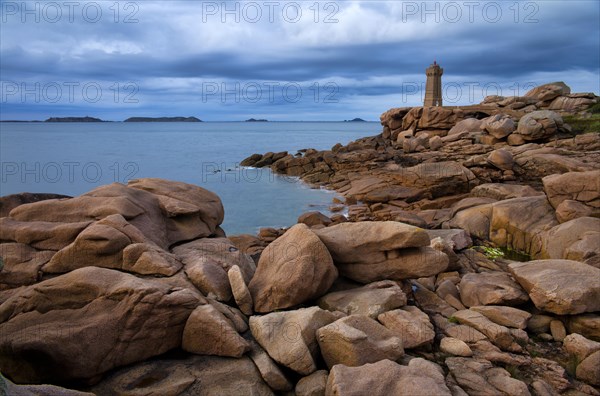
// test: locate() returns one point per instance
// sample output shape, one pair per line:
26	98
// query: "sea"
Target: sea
73	158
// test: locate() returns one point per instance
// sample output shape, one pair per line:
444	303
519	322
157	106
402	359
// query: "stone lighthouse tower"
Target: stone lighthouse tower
433	88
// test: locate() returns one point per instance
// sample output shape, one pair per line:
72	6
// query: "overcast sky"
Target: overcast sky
283	60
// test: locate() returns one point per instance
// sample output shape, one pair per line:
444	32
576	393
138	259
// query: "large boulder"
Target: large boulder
207	261
372	251
577	290
356	340
490	288
583	187
540	124
166	212
388	378
115	318
290	337
295	268
549	91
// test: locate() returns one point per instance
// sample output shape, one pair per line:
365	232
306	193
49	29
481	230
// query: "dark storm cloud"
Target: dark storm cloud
169	54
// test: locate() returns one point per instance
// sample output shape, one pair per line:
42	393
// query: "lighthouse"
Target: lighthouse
433	88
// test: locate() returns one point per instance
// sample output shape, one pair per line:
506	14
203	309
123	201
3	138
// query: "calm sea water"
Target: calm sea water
75	158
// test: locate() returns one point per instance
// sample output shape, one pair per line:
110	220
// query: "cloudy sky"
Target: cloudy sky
283	60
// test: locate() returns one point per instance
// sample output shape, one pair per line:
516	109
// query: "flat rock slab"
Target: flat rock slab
563	287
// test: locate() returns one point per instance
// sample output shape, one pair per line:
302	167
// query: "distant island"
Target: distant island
355	120
74	119
255	120
162	119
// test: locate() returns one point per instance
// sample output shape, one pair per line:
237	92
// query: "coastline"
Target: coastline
416	282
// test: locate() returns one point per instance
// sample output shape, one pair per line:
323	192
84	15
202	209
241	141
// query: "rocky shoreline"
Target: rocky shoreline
136	290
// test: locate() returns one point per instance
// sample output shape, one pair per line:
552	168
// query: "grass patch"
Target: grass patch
491	253
581	124
452	319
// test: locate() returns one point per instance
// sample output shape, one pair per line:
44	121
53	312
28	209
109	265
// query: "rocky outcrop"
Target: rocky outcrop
134	289
116	318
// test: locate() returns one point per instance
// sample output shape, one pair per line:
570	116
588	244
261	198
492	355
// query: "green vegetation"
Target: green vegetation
452	319
581	124
491	252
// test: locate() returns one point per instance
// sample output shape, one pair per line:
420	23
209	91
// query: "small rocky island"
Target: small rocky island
74	119
136	289
256	120
355	120
162	119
